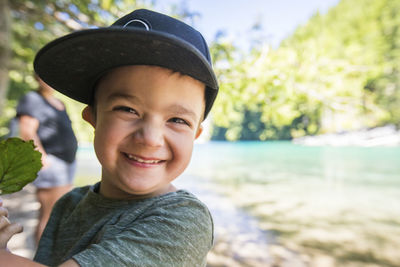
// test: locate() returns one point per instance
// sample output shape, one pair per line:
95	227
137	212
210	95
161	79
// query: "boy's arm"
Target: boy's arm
8	259
69	263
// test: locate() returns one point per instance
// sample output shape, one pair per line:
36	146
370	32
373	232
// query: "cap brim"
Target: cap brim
73	63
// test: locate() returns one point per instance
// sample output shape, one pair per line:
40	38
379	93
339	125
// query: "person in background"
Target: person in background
43	119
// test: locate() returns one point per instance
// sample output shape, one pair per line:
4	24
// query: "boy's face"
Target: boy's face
146	121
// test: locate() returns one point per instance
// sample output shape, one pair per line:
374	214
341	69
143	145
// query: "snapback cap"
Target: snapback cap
72	64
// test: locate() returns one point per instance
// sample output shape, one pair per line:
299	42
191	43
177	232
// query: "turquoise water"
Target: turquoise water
266	162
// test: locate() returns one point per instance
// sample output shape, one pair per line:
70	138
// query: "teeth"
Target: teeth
142	160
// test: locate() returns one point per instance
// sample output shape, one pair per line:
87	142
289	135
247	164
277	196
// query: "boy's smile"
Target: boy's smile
146	119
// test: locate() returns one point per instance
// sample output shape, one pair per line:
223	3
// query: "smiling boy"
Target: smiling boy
148	83
146	119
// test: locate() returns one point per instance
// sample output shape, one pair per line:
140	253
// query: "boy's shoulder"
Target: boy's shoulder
179	202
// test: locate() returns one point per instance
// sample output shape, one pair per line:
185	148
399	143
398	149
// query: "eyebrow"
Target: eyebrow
118	95
181	110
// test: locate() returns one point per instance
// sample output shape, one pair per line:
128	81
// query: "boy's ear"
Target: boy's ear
199	131
88	115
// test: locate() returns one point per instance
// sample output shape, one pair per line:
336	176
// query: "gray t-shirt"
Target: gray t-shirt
174	229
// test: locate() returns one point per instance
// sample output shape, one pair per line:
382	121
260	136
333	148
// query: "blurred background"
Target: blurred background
300	160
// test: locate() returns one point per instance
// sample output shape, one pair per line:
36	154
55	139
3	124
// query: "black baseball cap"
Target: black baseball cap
72	64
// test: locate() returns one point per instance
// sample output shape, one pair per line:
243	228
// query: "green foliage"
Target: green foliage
339	71
19	164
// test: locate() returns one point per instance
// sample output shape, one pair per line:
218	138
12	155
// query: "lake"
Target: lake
335	206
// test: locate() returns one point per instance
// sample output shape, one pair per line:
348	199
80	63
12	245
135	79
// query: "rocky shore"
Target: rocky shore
379	136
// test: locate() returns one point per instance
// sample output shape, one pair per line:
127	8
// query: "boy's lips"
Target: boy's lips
143	159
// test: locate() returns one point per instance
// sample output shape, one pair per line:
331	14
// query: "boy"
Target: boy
149	84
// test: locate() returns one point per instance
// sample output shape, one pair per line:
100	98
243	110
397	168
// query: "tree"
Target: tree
338	72
4	50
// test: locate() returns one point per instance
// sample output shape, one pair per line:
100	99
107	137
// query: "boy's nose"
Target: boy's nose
150	134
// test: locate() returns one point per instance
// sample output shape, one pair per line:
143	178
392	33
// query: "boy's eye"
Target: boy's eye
179	121
125	109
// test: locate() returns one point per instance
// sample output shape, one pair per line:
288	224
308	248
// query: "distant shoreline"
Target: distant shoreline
386	136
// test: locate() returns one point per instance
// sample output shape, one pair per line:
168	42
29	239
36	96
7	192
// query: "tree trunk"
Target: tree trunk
5	41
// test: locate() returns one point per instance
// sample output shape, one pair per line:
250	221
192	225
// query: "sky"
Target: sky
279	18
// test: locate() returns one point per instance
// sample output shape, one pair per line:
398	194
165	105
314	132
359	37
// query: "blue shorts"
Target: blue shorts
58	173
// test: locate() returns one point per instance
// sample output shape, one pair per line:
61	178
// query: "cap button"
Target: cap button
137	23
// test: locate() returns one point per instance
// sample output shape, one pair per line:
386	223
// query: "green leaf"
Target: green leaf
19	164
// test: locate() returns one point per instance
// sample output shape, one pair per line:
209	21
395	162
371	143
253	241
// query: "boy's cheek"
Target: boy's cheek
109	133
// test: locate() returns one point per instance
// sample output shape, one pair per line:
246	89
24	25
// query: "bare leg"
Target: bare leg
47	197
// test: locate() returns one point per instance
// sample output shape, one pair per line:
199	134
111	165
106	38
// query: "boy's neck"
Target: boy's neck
167	189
